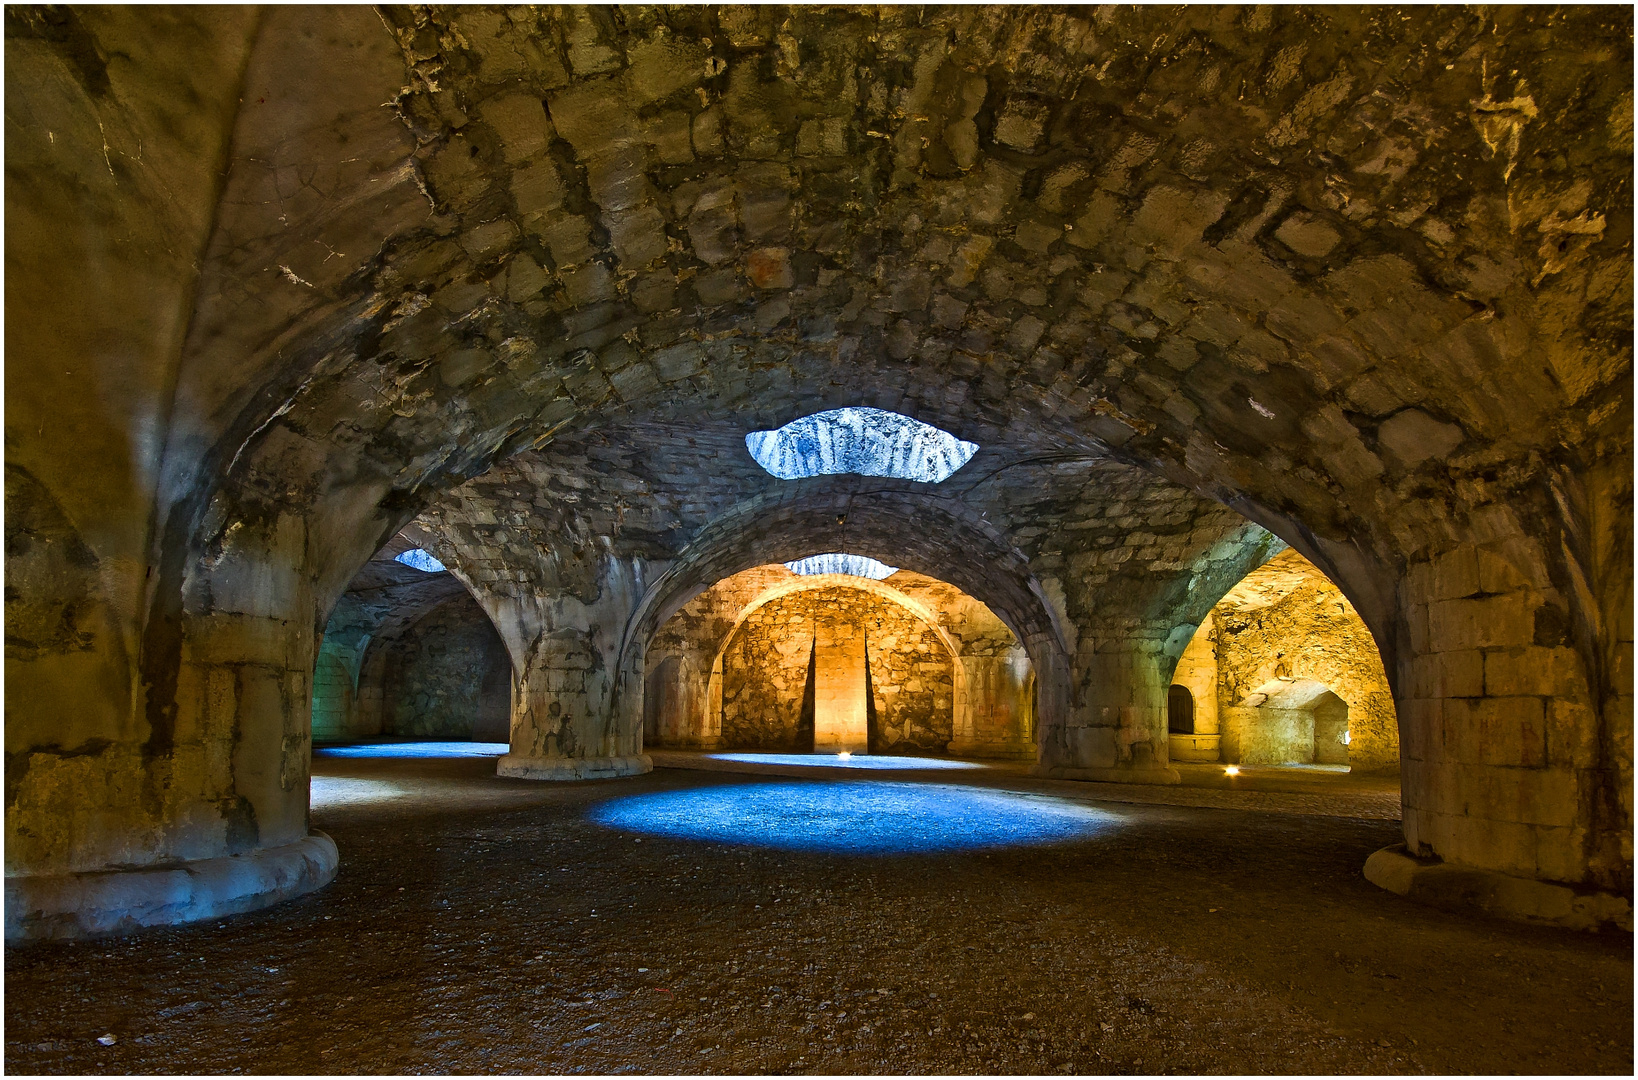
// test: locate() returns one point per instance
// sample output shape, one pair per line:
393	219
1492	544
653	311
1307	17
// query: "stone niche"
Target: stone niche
446	677
1284	672
771	660
834	669
410	654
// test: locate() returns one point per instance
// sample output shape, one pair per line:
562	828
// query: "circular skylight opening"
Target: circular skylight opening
837	563
869	442
420	560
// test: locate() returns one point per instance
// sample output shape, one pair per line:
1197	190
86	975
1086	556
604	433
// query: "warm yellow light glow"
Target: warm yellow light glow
1232	770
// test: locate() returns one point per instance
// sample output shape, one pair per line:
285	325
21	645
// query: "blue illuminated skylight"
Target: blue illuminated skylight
420	560
837	563
870	442
854	817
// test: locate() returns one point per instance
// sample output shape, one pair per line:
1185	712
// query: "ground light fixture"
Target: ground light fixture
1232	770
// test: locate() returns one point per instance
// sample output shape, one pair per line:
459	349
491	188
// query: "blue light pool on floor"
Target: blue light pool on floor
855	817
857	761
415	750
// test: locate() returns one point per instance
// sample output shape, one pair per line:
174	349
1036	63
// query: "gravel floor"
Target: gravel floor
487	925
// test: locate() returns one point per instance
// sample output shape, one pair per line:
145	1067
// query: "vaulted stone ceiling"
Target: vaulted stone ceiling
1353	270
281	283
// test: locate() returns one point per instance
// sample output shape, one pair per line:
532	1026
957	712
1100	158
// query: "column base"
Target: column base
1109	776
1466	888
102	902
566	768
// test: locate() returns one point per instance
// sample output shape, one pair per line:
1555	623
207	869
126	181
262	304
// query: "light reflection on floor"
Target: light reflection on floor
328	791
856	761
855	817
414	750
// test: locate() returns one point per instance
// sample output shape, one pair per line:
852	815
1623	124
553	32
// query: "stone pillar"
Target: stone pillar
200	808
1503	763
840	720
993	719
573	717
1117	730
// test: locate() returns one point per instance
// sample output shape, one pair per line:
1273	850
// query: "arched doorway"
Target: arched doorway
1283	671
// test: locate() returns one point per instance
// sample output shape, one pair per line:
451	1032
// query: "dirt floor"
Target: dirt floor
487	925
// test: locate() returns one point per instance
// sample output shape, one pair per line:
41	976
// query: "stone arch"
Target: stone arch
875	588
873	523
386	604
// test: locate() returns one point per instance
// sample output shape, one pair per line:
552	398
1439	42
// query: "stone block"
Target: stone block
669	134
1496	731
1499	573
1490	621
1036	237
588	284
1559	854
770	268
1421	729
489	239
1531	669
1505	846
1450	576
1448	674
658	69
1548	796
617	180
678	362
1572	739
593	117
718	287
1308	235
520	122
637	235
1413	437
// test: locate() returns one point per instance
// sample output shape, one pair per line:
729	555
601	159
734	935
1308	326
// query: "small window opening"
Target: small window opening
836	562
1179	710
869	442
420	560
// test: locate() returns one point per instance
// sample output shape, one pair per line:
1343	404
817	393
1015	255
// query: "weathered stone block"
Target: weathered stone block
637	235
770	268
1533	670
537	188
520	122
1492	621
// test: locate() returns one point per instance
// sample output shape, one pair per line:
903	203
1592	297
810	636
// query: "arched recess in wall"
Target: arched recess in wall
829	633
898	525
992	701
408	652
1282	670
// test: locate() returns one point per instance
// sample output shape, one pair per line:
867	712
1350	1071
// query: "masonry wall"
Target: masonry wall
335	691
765	673
446	677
